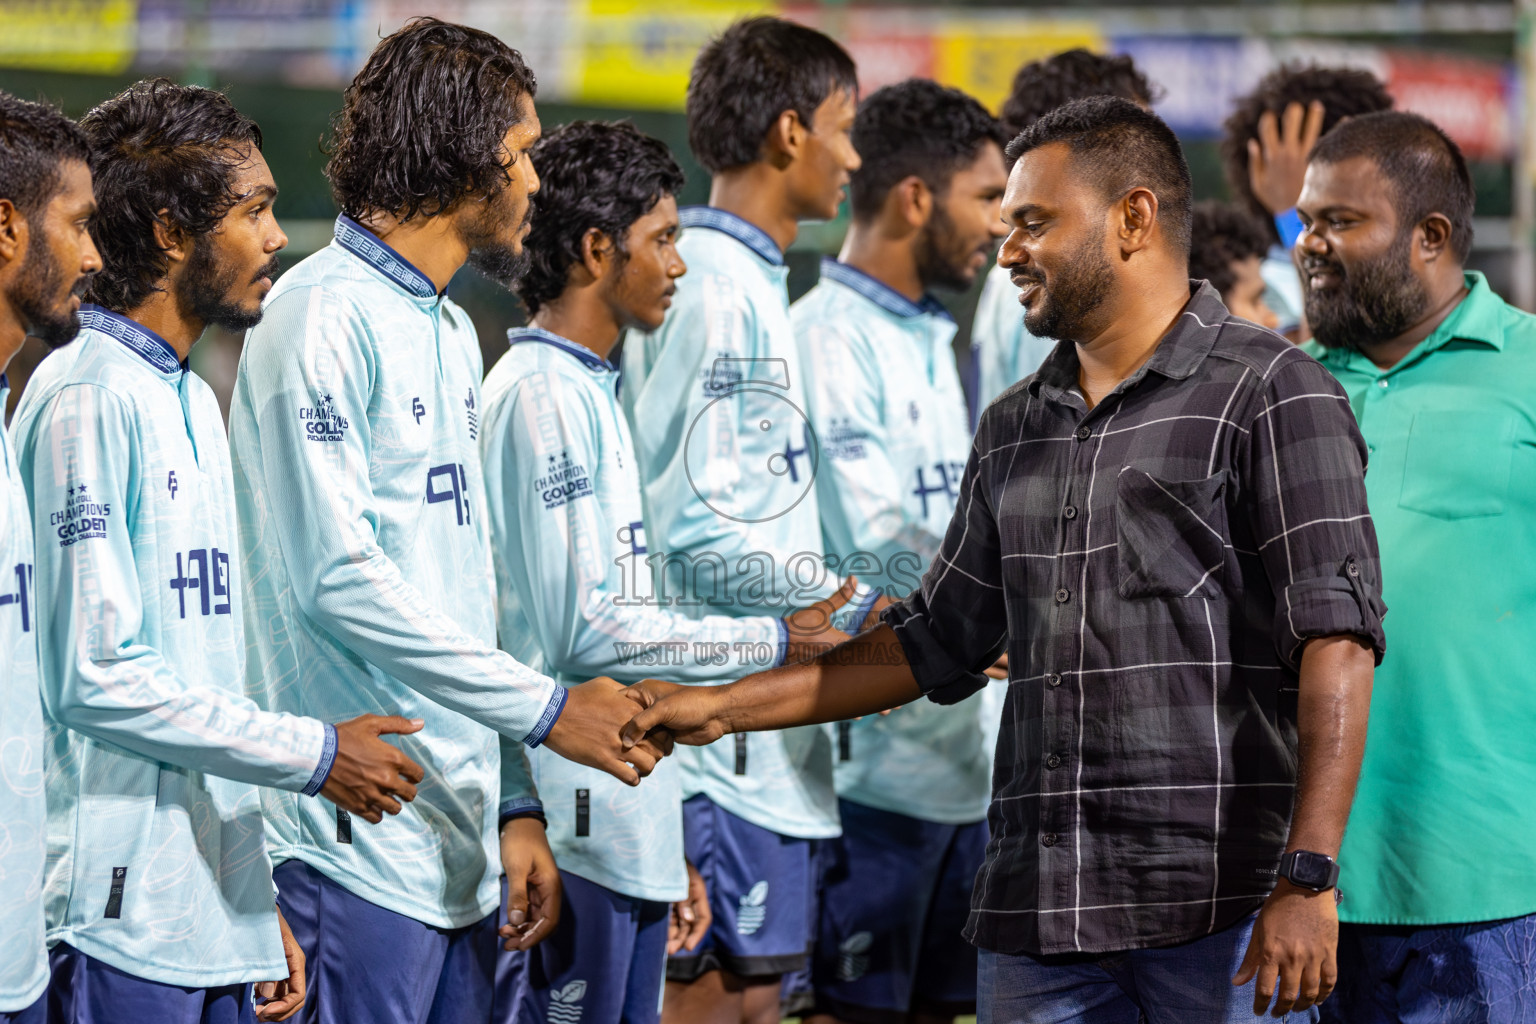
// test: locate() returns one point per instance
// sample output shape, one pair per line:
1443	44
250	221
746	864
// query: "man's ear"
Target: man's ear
912	200
14	232
1434	237
785	139
170	239
1135	217
597	253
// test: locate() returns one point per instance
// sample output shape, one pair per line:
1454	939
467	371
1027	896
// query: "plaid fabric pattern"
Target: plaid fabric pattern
1153	568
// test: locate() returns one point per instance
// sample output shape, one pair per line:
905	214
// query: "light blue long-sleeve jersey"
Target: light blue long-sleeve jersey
156	863
887	406
1003	352
355	435
23	957
716	400
575	588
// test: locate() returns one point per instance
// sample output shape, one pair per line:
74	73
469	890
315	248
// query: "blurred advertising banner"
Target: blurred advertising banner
634	53
88	36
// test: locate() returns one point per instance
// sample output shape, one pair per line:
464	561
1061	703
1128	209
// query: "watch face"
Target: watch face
1312	870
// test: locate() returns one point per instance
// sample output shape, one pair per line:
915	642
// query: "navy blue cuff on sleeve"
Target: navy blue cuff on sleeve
327	759
1288	223
862	611
522	807
548	719
783	641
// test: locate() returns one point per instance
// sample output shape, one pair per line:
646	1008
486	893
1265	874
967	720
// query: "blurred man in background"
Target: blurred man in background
889	411
1440	904
1227	248
1003	351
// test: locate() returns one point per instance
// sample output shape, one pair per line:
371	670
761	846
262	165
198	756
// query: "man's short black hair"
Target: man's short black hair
593	174
1119	146
35	139
159	146
422	124
916	127
748	76
1343	92
1222	235
1043	85
1426	168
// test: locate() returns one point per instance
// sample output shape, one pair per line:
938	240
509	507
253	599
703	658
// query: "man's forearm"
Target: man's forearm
1334	703
865	675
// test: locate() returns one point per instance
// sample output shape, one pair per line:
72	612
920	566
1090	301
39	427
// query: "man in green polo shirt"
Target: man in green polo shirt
1439	860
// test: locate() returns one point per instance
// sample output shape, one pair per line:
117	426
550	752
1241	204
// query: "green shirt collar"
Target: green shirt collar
1478	318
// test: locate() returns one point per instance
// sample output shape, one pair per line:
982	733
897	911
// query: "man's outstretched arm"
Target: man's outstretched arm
868	673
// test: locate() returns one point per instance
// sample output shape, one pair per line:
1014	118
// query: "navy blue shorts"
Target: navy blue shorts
605	963
760	888
895	895
37	1013
368	965
83	990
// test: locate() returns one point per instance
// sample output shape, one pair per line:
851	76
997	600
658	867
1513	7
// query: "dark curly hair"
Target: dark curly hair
1117	146
35	139
1223	234
158	146
1344	92
1043	85
593	174
748	76
422	124
916	127
1426	169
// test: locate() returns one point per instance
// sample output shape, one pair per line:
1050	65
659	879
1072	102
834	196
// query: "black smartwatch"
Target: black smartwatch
1307	870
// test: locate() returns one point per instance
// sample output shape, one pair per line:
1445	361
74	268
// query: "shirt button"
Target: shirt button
1054	761
1053	679
1049	839
1382	383
1063	595
1070	511
1083	433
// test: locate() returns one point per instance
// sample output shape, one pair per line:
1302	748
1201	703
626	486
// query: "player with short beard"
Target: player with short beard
159	886
354	427
46	260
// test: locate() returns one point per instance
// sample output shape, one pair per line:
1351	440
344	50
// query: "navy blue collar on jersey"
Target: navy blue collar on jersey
749	235
375	252
145	343
588	358
880	293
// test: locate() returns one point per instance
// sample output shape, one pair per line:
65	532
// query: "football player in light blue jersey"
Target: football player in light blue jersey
46	259
573	583
159	890
354	428
888	408
727	462
1003	352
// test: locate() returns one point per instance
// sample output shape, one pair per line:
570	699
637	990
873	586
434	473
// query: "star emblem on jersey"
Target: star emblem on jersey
565	1003
753	909
853	956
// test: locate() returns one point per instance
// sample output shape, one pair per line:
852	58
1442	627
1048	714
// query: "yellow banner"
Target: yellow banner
980	56
93	36
635	53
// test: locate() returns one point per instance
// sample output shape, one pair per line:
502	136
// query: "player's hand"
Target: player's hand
810	629
688	714
1277	159
370	777
999	668
691	917
587	731
533	884
279	1000
1293	951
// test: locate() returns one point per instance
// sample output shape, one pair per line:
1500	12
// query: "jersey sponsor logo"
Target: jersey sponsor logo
81	518
417	409
448	482
473	416
565	1003
21	597
945	477
564	481
170	483
206	572
322	422
853	956
753	908
844	441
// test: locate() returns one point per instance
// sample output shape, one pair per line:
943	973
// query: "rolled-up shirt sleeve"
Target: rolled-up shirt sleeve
1305	477
956	624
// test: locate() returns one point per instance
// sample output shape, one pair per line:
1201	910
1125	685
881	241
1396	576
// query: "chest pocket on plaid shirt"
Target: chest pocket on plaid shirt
1171	535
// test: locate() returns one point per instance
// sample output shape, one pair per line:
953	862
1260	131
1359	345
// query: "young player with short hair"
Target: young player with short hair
159	886
1227	248
574	586
887	405
727	462
355	425
46	259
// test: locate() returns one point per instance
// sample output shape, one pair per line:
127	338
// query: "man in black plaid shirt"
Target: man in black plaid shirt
1166	529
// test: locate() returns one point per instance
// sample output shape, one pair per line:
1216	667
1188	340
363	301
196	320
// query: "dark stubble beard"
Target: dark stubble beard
488	252
31	295
1064	310
1372	303
207	286
937	265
